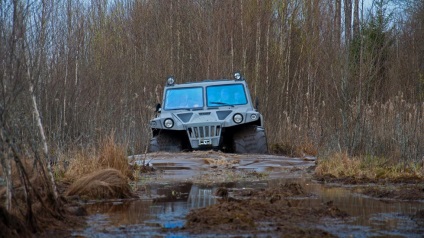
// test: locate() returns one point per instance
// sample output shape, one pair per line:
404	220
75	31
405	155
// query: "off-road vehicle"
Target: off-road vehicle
211	114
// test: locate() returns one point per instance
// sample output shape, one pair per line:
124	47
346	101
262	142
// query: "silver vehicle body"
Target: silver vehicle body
209	119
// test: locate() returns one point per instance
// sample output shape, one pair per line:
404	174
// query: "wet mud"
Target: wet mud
211	194
274	210
411	192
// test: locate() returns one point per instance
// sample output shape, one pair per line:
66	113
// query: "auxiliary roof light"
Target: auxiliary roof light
170	81
237	76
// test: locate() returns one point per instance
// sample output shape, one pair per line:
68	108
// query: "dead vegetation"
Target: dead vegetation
101	173
222	161
28	165
33	207
340	166
293	149
101	184
12	226
85	161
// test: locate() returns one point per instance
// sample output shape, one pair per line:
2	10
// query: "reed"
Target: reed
393	130
340	165
86	161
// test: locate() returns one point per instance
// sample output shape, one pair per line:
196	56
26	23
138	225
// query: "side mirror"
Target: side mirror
158	107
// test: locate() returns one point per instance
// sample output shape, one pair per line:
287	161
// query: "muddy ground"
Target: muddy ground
229	195
275	209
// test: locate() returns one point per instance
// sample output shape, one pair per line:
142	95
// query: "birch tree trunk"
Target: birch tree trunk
43	138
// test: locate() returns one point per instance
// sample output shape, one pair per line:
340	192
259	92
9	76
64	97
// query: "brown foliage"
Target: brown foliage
293	149
28	164
11	226
101	184
105	67
113	155
311	91
109	155
33	206
342	167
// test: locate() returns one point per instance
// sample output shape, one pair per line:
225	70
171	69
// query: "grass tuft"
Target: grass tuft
84	161
340	165
101	184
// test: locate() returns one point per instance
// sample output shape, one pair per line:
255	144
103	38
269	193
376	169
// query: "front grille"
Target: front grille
197	132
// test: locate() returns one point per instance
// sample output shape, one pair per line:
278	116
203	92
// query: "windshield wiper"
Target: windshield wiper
222	104
180	108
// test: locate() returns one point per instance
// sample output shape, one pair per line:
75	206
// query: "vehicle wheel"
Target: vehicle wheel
164	142
251	140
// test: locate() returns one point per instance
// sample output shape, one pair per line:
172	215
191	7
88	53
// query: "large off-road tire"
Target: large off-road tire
250	140
164	142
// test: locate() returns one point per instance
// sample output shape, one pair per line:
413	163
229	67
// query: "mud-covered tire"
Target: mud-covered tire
251	140
164	142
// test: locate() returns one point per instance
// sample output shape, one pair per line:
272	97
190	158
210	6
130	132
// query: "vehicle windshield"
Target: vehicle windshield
226	95
183	98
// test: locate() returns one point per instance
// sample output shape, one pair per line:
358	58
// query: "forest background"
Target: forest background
330	75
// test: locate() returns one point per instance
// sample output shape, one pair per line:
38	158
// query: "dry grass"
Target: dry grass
110	155
101	184
28	165
340	165
293	150
34	173
222	161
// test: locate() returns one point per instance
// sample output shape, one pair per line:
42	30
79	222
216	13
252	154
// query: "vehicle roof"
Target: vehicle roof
206	82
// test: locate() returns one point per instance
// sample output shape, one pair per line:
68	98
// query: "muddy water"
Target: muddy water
187	182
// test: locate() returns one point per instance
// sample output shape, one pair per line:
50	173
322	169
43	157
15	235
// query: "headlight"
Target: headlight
168	123
253	116
237	118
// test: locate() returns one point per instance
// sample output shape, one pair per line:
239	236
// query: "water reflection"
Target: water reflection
201	196
165	209
166	206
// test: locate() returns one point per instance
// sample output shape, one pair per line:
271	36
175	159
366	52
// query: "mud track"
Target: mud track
216	167
213	194
256	210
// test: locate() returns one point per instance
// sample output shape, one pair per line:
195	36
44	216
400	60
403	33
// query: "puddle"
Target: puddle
195	166
164	207
368	216
186	181
157	216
